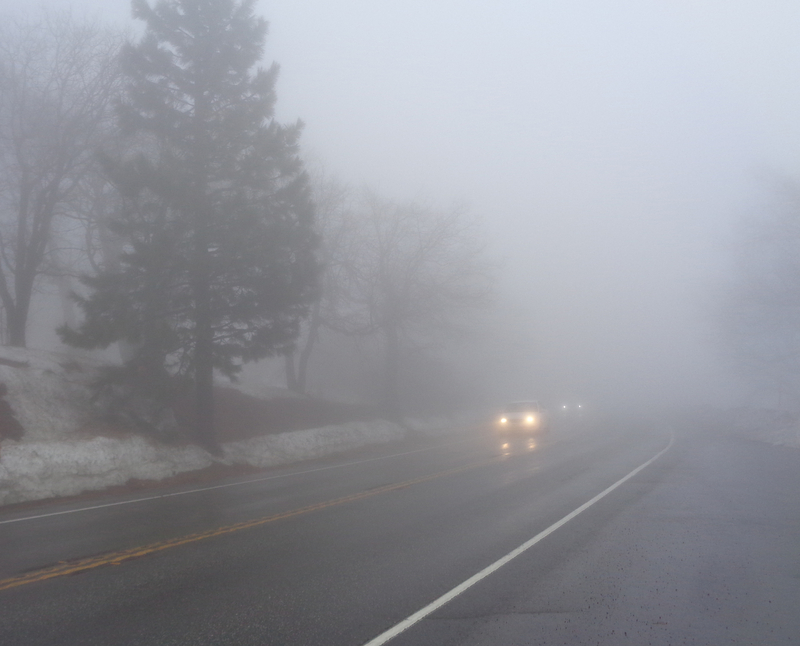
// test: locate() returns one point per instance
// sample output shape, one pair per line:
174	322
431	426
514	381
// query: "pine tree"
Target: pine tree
219	266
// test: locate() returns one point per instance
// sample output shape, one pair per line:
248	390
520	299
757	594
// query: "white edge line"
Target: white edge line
222	486
404	625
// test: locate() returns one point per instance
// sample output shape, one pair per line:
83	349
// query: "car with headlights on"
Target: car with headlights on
521	417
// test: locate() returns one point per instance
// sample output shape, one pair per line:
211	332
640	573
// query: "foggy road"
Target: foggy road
246	229
699	547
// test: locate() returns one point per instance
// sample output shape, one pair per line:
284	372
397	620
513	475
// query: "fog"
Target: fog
608	148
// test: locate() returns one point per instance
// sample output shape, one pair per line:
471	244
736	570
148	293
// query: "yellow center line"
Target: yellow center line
66	568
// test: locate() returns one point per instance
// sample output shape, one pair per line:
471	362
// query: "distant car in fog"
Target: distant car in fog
522	417
571	409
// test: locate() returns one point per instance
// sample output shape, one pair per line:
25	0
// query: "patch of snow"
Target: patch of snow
51	396
283	448
267	392
38	470
441	425
48	391
780	428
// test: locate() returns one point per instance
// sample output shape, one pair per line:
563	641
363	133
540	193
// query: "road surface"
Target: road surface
599	533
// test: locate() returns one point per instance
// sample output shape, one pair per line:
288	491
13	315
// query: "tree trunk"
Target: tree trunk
17	319
204	332
291	372
297	370
204	372
204	397
204	340
204	337
17	324
305	353
392	373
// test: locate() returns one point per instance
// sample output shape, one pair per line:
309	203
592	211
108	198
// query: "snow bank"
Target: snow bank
37	470
49	391
443	424
776	427
284	448
51	396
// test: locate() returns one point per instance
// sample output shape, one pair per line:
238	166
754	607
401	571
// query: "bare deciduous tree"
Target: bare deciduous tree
407	274
335	226
58	79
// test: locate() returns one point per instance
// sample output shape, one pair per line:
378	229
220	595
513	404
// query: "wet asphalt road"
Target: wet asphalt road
700	547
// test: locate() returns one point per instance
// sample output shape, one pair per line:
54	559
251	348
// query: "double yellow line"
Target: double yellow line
65	568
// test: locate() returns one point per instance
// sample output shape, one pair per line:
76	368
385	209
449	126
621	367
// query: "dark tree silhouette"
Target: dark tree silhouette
220	264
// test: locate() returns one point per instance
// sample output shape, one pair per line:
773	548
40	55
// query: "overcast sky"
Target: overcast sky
608	145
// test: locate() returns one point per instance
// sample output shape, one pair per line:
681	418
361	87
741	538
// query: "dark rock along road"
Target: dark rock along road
700	547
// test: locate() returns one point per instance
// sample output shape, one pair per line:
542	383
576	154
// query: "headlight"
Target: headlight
530	419
503	420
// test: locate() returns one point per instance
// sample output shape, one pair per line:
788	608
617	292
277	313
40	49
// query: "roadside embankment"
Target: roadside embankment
67	448
47	469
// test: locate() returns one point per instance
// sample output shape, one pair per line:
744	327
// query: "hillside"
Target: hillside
68	448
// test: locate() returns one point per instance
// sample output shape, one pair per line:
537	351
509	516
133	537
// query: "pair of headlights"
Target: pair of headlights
530	419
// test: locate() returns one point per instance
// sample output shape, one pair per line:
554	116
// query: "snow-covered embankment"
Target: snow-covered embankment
60	456
42	469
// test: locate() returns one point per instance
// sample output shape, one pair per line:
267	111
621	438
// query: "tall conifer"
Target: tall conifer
219	267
